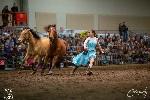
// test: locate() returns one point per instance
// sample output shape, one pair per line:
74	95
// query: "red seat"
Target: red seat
21	18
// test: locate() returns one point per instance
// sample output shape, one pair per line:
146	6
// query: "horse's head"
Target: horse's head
52	32
24	36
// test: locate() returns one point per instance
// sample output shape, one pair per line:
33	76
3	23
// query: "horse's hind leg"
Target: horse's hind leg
50	66
22	63
44	65
54	60
58	62
36	64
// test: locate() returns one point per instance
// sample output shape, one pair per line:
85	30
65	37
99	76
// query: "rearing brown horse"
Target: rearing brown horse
58	48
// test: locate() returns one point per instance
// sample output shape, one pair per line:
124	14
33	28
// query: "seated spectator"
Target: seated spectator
114	38
101	41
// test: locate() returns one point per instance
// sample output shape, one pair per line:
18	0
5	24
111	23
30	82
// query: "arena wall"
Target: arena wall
131	10
104	14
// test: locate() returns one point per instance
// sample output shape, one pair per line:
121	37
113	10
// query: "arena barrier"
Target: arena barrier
108	58
2	63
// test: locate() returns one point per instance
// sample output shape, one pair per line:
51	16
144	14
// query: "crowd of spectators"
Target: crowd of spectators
135	50
9	48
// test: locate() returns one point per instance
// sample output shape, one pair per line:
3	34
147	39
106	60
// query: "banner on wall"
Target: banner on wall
69	32
82	33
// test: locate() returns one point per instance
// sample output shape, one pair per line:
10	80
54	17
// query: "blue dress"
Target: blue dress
83	59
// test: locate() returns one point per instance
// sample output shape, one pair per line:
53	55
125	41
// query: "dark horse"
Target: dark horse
58	48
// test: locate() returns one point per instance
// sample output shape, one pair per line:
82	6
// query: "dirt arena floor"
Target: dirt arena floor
113	82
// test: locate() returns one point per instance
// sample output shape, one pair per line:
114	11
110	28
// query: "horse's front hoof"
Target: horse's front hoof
19	72
72	73
33	73
50	73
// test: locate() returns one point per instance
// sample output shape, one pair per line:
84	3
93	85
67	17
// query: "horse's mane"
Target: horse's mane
35	35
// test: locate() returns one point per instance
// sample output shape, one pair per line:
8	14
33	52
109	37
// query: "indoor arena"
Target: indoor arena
75	50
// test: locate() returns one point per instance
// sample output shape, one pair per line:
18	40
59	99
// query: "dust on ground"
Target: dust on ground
107	83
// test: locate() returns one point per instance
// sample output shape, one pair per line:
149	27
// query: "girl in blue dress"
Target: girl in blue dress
87	57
